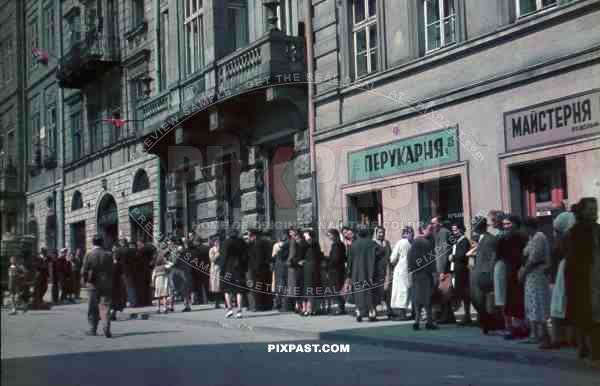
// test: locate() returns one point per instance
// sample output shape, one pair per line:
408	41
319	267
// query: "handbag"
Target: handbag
445	288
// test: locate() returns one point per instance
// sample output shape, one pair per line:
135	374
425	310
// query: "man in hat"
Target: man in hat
97	272
255	267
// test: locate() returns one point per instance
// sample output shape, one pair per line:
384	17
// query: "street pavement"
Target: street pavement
202	348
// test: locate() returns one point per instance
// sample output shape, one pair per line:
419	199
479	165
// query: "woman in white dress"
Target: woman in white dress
161	282
401	298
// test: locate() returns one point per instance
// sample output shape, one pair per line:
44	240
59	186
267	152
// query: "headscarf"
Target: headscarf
563	222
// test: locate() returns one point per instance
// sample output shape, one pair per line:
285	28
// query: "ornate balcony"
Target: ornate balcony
87	60
274	59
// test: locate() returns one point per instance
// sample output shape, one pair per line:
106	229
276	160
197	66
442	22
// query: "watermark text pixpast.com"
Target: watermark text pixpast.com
309	348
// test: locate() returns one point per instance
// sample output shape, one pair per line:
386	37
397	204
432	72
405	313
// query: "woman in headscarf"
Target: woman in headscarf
533	274
582	275
460	265
562	223
401	296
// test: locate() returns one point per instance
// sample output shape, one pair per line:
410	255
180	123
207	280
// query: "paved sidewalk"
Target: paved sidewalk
449	339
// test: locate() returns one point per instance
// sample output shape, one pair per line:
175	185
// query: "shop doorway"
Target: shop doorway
441	197
281	187
365	209
541	189
78	235
108	221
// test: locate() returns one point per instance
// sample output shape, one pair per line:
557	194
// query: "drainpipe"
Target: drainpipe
310	68
59	201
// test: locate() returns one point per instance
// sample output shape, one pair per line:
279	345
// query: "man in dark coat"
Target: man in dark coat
458	257
422	269
441	237
281	271
41	267
119	296
336	269
482	282
254	276
189	259
384	270
363	265
97	271
233	271
297	251
144	257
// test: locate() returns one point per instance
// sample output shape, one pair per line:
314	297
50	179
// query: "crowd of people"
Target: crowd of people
506	269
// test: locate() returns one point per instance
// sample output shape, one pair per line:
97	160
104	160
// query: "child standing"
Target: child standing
160	282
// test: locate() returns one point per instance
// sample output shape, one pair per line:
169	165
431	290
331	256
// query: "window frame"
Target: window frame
50	137
285	17
364	25
34	41
163	47
538	8
138	13
441	22
193	15
237	42
49	28
77	147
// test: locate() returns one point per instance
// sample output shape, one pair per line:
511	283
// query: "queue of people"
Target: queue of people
507	271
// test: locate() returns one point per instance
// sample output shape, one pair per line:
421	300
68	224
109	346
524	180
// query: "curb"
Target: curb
526	357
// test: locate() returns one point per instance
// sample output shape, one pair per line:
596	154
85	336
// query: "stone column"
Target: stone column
304	194
252	190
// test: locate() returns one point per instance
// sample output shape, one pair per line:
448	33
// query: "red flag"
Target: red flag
115	121
40	55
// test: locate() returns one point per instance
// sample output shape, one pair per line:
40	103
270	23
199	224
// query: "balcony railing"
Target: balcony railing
273	59
87	59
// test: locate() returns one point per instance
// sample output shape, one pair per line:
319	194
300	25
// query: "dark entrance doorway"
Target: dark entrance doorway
542	187
108	221
366	209
78	235
442	197
142	222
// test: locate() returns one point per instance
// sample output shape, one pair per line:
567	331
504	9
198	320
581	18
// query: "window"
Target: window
77	201
163	48
74	28
137	12
525	7
6	60
33	41
237	20
49	30
76	129
50	139
285	17
364	31
140	182
440	24
95	123
35	136
194	36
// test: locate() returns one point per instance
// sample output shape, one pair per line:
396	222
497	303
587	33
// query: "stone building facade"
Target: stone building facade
13	172
455	107
144	118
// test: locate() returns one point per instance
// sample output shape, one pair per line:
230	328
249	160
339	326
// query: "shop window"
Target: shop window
442	197
237	20
539	190
365	209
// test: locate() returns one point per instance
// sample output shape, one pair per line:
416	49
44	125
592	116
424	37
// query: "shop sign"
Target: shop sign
405	155
563	119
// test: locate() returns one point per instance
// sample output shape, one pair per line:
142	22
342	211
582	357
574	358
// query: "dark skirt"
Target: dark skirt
461	282
311	282
294	282
233	282
515	296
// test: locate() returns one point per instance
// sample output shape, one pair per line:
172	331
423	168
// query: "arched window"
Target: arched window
77	202
140	181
